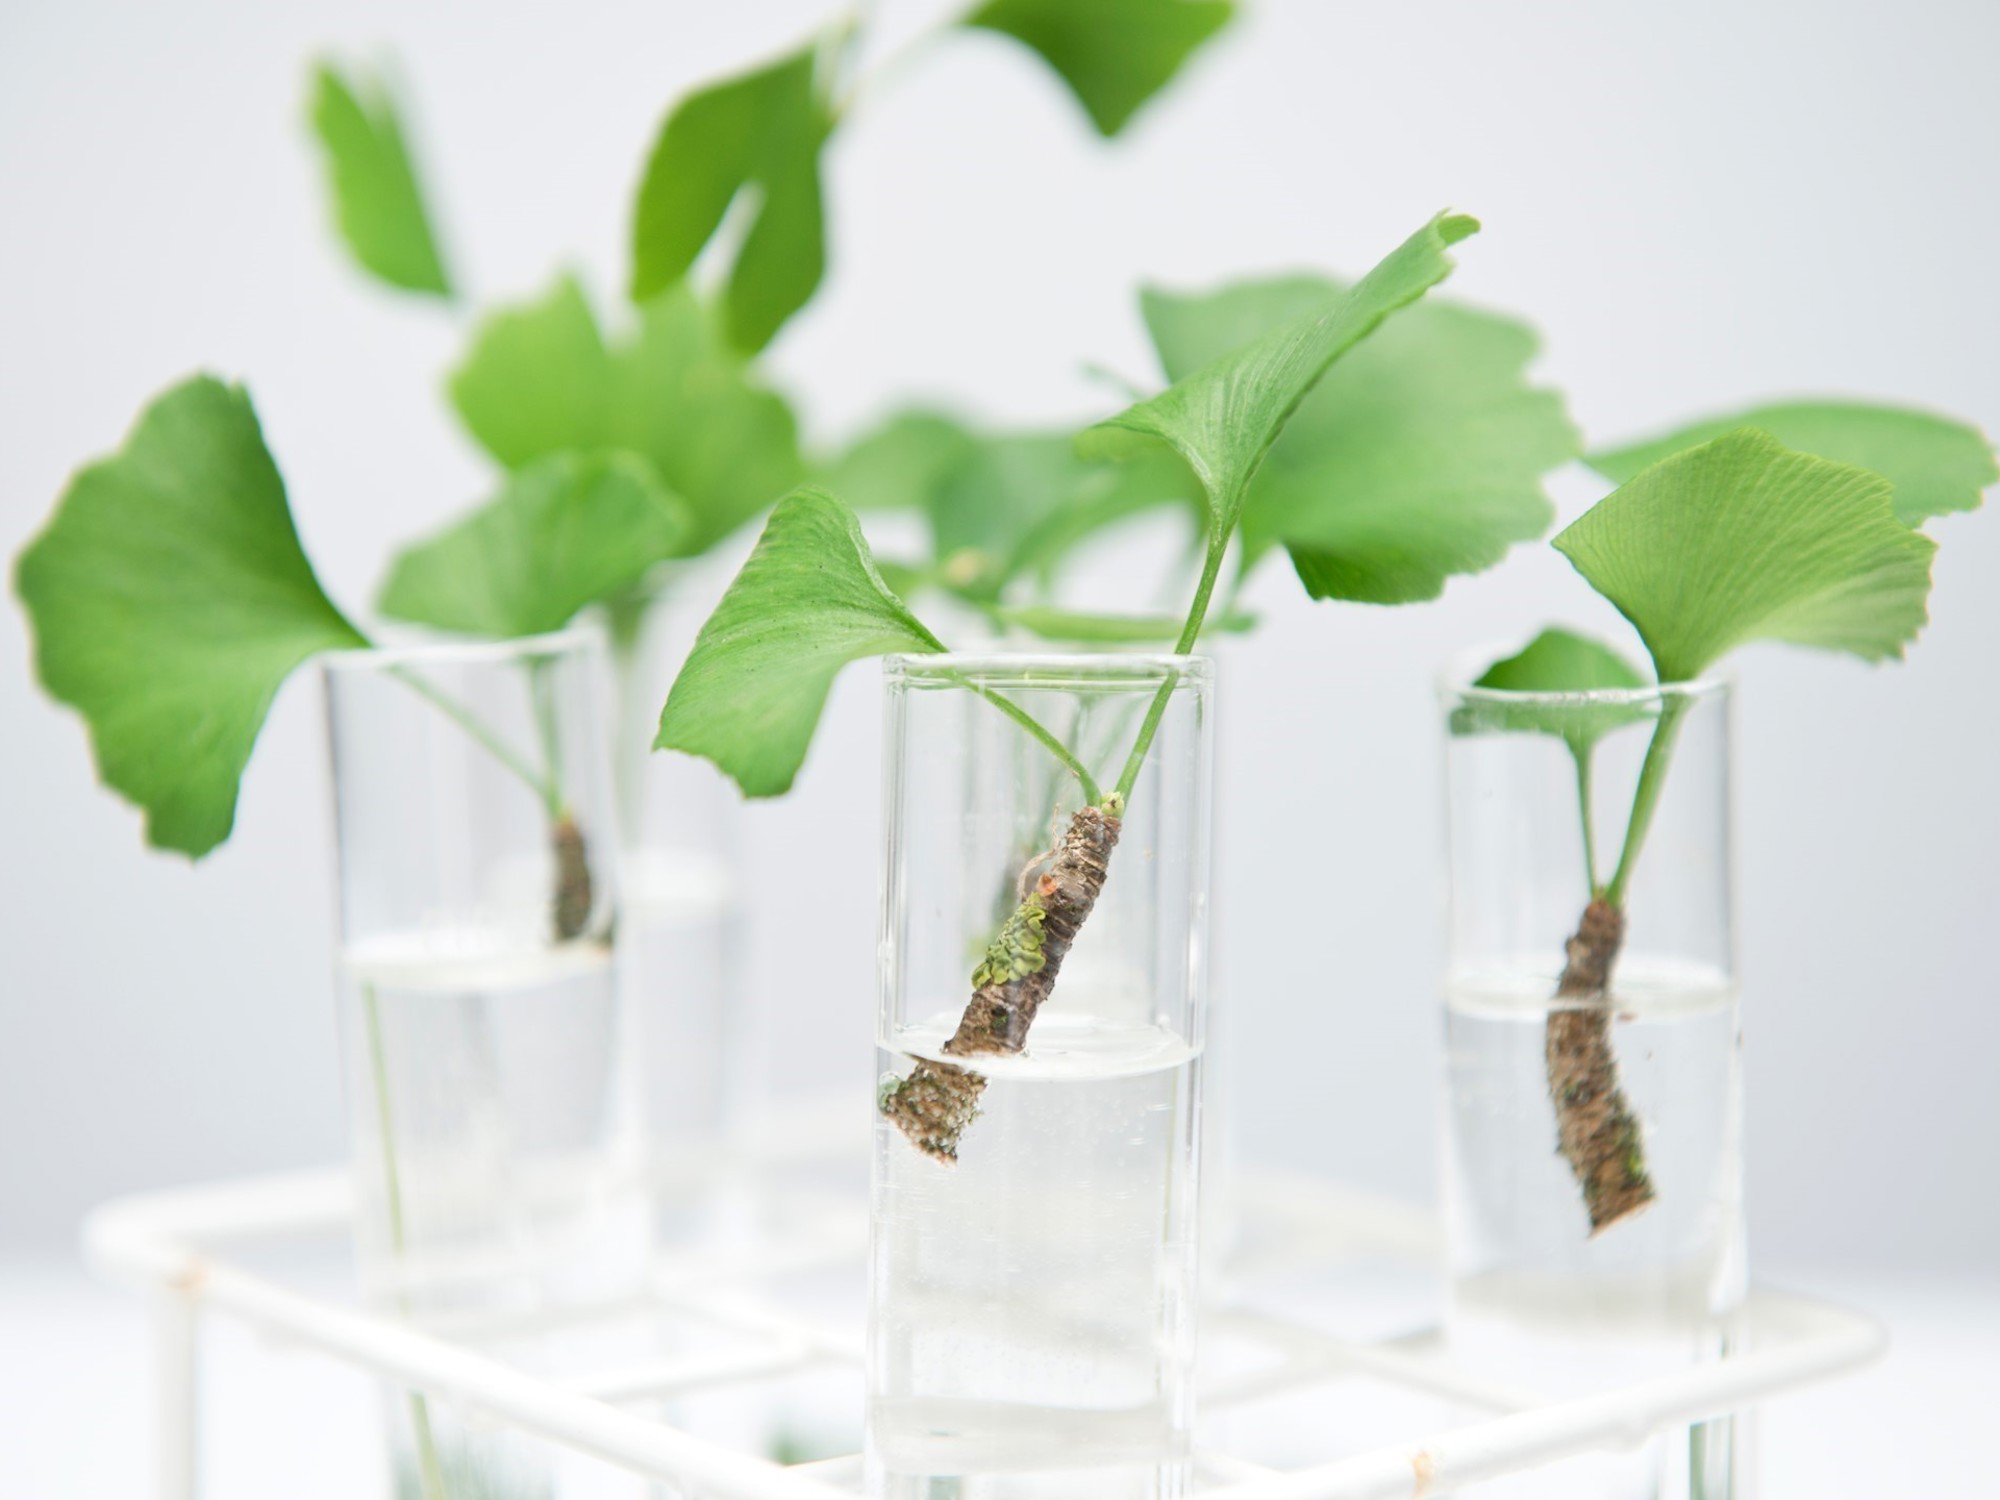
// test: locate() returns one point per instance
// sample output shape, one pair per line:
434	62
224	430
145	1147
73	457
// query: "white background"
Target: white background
1698	203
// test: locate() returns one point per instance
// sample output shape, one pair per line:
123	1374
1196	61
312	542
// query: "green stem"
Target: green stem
541	691
1034	727
544	788
430	1471
1218	548
1581	754
1652	777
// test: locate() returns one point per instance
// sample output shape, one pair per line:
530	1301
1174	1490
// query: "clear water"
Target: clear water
678	930
493	1161
1033	1305
1536	1299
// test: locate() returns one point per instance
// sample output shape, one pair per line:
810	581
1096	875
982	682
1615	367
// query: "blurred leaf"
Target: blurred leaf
1419	456
1000	505
1936	464
170	598
905	580
1192	330
1557	673
566	531
1223	417
1113	54
1744	539
808	602
1084	628
900	464
536	379
1003	487
762	132
378	204
539	379
1105	494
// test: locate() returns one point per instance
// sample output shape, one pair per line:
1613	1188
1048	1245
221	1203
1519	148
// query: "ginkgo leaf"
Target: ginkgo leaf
540	379
1418	456
760	132
1223	417
1936	464
566	531
170	599
1560	683
808	602
1743	539
1113	54
378	203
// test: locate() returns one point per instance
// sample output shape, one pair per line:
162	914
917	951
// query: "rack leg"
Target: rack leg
175	1326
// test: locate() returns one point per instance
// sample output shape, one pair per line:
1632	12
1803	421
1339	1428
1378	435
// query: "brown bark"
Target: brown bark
935	1103
1597	1132
571	907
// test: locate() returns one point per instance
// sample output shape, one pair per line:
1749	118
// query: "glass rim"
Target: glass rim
461	651
1052	669
1454	684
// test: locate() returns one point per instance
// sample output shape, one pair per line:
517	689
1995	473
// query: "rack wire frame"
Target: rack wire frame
183	1250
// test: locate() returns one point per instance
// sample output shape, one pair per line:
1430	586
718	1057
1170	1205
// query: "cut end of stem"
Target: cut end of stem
933	1106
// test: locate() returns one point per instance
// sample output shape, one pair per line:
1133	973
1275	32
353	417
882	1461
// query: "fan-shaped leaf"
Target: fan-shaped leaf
170	599
566	531
1936	464
540	379
1418	456
1744	539
1223	417
808	602
1569	684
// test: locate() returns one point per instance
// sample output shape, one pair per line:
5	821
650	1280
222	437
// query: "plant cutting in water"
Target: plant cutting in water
169	595
810	599
1790	522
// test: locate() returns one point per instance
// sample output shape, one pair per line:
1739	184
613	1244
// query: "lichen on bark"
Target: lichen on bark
935	1103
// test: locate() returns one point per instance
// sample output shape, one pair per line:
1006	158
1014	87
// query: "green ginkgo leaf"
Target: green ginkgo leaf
1420	455
1560	683
760	133
1224	416
541	379
808	602
1937	465
378	204
566	531
1743	539
170	598
1113	54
